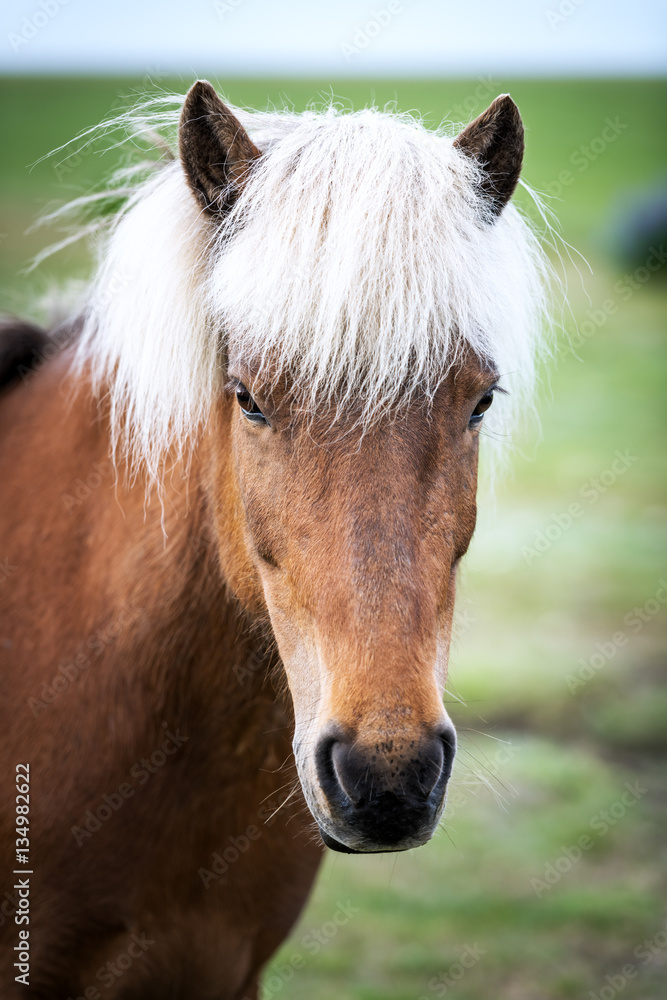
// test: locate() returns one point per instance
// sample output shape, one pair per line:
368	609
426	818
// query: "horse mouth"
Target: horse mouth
335	845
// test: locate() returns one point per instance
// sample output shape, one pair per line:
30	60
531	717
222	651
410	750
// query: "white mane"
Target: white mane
358	258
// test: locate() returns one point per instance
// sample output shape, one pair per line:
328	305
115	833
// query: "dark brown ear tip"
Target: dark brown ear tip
201	94
215	150
507	109
200	87
496	140
203	99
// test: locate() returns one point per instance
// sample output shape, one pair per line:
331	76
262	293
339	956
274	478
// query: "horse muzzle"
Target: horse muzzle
382	795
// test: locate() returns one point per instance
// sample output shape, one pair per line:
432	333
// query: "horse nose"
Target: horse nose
411	772
389	790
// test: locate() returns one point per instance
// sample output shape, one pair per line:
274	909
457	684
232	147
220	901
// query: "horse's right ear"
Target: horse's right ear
495	140
215	149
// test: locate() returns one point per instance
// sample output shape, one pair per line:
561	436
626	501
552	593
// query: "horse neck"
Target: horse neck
200	644
134	572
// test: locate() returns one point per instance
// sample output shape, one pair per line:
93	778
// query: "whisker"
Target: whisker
282	804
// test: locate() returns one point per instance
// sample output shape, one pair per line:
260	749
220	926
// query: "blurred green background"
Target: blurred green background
547	879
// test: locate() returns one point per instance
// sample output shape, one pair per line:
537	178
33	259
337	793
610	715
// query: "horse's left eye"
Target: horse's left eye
480	410
249	407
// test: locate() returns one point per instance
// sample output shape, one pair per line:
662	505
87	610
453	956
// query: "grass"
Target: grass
485	889
557	676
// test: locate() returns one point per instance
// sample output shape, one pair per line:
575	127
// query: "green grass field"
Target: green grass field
547	880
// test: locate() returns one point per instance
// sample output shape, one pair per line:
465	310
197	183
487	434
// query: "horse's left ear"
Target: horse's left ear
215	149
495	140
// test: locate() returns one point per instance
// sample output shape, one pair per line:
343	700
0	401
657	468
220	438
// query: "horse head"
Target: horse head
347	499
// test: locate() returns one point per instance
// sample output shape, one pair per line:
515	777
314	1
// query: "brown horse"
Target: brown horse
235	492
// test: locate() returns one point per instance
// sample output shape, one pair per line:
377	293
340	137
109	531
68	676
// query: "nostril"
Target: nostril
350	778
326	770
430	765
447	739
344	776
436	761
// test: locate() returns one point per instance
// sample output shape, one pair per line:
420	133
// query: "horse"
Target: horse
237	484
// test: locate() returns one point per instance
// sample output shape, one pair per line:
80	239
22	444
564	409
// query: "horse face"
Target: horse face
350	541
354	541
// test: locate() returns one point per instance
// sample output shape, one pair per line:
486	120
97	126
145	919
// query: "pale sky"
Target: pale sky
298	37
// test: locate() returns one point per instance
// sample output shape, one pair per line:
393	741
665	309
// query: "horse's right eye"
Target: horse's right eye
481	408
248	406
